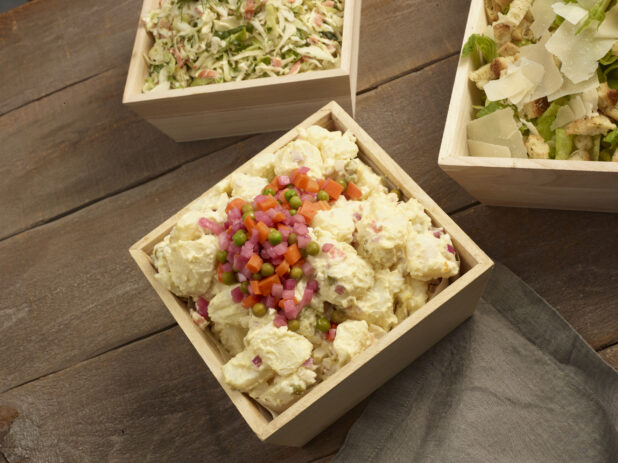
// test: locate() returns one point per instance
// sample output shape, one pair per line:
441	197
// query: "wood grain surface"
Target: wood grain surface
92	367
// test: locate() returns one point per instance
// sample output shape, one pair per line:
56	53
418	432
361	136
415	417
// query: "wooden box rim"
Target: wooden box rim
454	154
135	76
472	257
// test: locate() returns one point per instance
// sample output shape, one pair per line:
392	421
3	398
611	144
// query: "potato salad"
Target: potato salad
212	41
548	75
300	262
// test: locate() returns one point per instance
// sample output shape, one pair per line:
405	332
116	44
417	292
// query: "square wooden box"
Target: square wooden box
539	183
252	106
330	399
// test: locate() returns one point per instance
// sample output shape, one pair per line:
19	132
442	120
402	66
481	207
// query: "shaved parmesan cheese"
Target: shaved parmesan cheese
543	15
579	53
518	81
609	27
499	128
571	12
487	150
564	116
577	106
552	78
531	127
591	101
569	88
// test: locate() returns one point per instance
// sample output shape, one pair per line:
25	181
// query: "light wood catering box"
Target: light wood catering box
328	400
539	183
252	106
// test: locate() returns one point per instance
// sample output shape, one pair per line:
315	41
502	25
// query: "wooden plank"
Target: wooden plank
610	355
567	257
72	158
73	41
88	249
153	400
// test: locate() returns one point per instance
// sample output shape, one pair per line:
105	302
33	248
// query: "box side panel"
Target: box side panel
539	188
380	368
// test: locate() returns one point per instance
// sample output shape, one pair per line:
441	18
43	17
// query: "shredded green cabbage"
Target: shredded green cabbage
214	41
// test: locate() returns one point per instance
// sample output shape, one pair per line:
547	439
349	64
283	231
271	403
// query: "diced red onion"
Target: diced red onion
339	289
236	226
227	267
307	297
214	227
300	229
254	239
327	247
247	250
450	249
307	269
232	250
303	170
291	309
289	284
303	241
285	232
246	273
202	306
357	216
298	218
283	180
237	295
259	198
312	285
257	361
277	290
239	262
234	214
270	302
224	240
241	277
280	320
288	294
332	333
276	261
306	197
263	217
308	363
279	250
271	212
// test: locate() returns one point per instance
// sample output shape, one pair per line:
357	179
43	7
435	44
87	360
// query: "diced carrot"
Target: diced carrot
255	263
322	206
301	180
249	223
220	272
292	255
353	192
333	189
312	186
321	183
308	210
282	269
255	287
274	185
279	217
267	203
250	301
263	230
266	285
280	303
300	263
235	203
283	227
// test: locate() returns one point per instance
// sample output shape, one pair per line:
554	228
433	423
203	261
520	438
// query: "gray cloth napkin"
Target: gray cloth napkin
514	383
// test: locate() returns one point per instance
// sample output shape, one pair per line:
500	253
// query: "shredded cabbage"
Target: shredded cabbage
213	41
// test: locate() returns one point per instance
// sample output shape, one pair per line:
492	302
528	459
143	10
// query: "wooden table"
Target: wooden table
92	366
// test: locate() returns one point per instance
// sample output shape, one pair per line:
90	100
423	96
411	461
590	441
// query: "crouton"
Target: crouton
608	99
502	33
490	71
517	11
596	125
579	155
508	49
536	147
584	142
536	108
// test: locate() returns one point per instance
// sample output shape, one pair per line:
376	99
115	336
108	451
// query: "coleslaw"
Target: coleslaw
213	41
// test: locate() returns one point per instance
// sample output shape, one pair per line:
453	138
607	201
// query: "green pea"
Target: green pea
289	193
295	202
343	183
244	287
269	191
240	238
221	256
292	238
259	309
323	196
323	324
303	253
296	273
228	278
250	214
274	237
338	316
313	248
247	208
267	269
256	276
293	211
293	325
